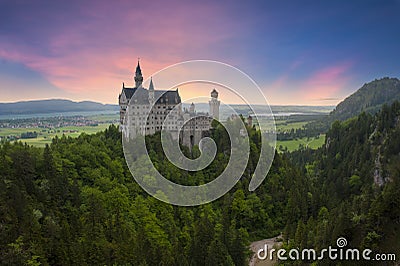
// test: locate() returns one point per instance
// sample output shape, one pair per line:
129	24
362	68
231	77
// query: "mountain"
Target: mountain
60	105
53	106
369	98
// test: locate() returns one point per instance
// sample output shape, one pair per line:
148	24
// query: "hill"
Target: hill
369	98
53	106
355	181
62	105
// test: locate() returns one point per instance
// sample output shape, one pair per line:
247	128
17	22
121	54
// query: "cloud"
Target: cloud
32	86
88	48
91	49
328	99
327	82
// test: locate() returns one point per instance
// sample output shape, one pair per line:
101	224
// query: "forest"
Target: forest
353	185
74	202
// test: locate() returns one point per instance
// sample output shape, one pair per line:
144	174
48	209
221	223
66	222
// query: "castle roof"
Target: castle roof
141	96
128	92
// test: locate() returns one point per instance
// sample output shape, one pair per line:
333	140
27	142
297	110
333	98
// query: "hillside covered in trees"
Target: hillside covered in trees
74	202
354	185
369	98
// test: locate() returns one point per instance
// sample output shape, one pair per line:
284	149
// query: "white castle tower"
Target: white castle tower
214	105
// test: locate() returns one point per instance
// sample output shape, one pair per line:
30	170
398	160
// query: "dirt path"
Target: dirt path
255	246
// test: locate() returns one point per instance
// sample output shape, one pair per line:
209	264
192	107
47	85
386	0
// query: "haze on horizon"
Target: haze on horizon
299	53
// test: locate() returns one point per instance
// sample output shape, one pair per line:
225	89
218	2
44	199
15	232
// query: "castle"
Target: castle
147	110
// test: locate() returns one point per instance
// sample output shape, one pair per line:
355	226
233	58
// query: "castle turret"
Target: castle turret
151	91
214	105
138	76
191	108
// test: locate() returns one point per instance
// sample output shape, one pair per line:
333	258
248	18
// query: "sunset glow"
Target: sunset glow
297	54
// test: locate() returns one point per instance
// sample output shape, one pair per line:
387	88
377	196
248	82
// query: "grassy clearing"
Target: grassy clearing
292	145
45	136
16	131
283	125
104	117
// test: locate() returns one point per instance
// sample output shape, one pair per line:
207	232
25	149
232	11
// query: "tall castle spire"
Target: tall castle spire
138	76
151	91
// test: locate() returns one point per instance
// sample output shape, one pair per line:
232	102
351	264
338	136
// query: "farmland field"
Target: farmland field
45	136
284	123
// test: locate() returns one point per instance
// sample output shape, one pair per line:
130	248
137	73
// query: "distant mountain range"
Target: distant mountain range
369	98
61	106
53	106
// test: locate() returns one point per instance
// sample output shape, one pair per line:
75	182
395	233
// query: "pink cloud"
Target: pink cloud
90	59
326	86
327	82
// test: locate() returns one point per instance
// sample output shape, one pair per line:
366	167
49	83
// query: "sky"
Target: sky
298	52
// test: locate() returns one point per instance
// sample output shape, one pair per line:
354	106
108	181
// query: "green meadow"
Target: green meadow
46	135
292	145
284	125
